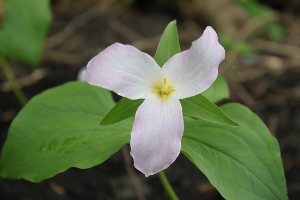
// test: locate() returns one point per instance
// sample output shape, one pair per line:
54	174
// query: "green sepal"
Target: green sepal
168	44
124	109
59	129
200	107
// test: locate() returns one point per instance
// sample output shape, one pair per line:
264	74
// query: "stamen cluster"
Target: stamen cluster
163	89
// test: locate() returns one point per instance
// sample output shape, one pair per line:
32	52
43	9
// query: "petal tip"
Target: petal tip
210	32
147	170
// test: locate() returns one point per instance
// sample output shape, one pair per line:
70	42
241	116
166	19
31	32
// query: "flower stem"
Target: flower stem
166	184
12	81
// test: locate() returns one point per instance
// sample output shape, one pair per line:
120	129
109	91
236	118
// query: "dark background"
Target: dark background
267	81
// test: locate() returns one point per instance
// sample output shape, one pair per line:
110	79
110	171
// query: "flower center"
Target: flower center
163	89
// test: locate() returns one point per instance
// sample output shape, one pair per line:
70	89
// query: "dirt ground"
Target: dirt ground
267	81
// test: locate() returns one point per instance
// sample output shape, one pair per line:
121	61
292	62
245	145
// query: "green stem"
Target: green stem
12	81
166	184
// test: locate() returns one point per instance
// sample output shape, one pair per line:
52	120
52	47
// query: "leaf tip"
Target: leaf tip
103	122
173	22
234	123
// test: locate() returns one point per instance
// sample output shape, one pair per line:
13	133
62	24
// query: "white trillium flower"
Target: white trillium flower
158	126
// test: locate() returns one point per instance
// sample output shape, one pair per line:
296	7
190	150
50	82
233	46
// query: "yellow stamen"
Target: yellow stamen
159	86
163	89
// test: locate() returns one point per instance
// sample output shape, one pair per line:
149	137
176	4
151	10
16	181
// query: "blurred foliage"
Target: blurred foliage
255	9
25	25
243	48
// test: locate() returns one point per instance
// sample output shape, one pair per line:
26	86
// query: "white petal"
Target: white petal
193	71
124	70
156	134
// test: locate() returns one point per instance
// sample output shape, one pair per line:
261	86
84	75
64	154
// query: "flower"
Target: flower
158	126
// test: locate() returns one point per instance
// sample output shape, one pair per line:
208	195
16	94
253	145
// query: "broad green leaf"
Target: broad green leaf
124	109
168	44
218	90
241	162
25	25
200	107
59	129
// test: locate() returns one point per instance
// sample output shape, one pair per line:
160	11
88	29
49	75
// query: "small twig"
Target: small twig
7	115
133	177
292	20
277	48
292	93
76	23
120	28
267	65
147	44
26	81
192	27
242	35
67	58
250	74
140	42
83	19
244	95
260	89
57	188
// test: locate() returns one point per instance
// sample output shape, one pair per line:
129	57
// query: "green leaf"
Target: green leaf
25	25
200	107
59	129
124	109
241	162
218	91
168	44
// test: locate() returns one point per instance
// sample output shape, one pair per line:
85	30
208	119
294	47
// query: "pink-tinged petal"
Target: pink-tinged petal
194	70
156	134
124	70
